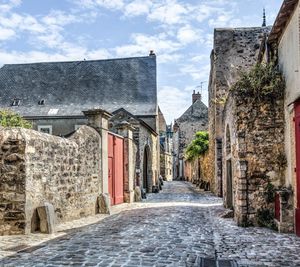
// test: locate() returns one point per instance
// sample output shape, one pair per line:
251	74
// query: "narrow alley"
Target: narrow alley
180	226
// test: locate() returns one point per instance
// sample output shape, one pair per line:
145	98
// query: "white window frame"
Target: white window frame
46	127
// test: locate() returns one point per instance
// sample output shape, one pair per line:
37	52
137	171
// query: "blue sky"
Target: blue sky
180	32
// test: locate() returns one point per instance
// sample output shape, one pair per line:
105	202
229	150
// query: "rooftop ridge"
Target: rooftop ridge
78	61
241	28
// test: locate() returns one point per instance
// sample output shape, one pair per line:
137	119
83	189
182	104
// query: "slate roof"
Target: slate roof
68	88
197	111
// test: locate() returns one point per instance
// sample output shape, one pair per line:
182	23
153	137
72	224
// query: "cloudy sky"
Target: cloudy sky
180	32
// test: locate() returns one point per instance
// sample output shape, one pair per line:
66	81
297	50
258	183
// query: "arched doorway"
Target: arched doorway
229	178
146	169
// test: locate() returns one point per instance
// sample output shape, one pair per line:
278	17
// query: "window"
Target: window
16	102
53	111
45	129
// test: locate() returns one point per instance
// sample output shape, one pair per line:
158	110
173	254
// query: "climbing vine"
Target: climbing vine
263	81
198	146
11	119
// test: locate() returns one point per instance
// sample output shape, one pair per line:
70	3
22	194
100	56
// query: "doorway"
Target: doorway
146	165
229	184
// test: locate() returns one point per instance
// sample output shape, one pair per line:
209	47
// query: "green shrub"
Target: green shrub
263	81
265	218
198	146
11	119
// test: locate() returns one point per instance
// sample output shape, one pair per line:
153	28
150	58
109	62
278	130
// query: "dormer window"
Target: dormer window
41	102
16	102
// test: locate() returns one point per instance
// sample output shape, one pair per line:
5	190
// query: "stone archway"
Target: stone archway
147	177
228	173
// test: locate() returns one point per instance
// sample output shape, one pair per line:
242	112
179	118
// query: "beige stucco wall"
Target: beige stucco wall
289	56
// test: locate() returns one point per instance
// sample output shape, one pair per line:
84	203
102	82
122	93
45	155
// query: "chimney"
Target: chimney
196	96
151	53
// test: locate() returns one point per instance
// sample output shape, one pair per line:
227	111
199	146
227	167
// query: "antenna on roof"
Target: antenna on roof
264	18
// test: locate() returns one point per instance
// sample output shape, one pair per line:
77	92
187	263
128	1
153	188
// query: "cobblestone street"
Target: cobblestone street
176	227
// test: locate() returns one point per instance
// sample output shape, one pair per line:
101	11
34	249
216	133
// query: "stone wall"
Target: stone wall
253	145
198	171
235	50
194	119
39	168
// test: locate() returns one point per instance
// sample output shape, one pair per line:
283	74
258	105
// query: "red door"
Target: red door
115	169
297	130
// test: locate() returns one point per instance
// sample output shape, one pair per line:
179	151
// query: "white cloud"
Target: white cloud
137	8
200	58
187	34
91	4
173	102
58	17
7	5
169	12
6	34
142	44
199	73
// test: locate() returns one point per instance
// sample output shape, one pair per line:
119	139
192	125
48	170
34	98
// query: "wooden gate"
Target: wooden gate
115	169
297	131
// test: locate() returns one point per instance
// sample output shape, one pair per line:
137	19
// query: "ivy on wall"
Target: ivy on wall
11	119
198	146
263	81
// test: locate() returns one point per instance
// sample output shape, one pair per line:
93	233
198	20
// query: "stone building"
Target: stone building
146	140
255	138
194	119
53	95
284	48
166	157
235	50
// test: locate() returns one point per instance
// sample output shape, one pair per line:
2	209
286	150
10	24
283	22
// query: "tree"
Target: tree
198	146
11	119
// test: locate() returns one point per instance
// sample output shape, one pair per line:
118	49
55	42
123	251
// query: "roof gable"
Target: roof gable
286	11
197	111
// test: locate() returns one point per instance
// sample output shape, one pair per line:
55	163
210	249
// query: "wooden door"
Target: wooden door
297	131
111	168
115	169
119	170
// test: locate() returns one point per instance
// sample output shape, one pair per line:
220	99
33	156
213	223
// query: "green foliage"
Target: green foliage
269	193
263	81
265	218
11	119
198	146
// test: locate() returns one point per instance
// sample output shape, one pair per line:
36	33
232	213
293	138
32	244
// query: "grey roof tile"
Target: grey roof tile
71	87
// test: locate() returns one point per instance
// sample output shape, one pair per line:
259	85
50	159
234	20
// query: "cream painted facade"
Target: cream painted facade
289	63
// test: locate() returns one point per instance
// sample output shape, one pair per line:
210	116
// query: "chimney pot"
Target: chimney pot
196	97
151	53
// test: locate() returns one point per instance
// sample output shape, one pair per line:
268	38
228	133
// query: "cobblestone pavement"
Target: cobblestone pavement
176	227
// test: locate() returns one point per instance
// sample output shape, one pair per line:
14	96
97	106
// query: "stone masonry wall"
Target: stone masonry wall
235	50
255	145
38	168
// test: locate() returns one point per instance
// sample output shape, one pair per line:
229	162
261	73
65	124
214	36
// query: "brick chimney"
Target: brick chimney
196	96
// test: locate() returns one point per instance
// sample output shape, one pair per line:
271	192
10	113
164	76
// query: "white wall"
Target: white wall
289	62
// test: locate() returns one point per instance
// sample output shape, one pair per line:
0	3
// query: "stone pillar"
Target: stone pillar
98	119
125	129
